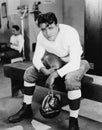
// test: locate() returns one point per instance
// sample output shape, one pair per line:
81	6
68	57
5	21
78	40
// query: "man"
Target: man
62	41
14	48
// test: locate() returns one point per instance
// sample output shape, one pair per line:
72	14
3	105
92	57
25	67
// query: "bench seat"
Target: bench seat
91	84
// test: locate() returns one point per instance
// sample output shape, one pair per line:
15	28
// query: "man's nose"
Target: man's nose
47	31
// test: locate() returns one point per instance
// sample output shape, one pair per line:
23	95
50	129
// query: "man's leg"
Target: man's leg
74	96
9	54
73	85
30	77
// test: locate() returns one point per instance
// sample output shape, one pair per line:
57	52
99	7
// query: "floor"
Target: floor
90	117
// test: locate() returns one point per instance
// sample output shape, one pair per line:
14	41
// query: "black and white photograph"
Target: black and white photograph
50	65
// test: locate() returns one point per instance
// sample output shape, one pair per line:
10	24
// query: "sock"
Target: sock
74	102
27	99
28	92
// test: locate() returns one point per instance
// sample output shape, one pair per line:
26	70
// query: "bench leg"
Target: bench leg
15	87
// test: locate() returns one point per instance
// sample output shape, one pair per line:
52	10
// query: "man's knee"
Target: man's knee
73	79
29	75
72	85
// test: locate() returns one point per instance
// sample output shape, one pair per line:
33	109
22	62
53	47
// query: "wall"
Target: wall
68	11
4	31
7	22
13	17
56	7
30	28
74	15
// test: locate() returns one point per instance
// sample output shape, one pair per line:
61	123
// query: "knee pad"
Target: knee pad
28	76
72	85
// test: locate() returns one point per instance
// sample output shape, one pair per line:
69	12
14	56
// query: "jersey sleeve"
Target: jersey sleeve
38	54
75	51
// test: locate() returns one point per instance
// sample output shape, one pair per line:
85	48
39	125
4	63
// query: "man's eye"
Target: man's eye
43	29
50	28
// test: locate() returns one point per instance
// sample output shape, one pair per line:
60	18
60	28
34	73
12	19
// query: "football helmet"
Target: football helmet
51	105
51	60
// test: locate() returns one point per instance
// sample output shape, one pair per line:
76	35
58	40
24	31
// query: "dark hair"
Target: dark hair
16	27
47	18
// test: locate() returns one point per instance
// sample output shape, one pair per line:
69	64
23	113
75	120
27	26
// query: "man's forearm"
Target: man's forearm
46	71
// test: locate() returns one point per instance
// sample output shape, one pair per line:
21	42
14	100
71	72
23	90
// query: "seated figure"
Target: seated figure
14	48
62	41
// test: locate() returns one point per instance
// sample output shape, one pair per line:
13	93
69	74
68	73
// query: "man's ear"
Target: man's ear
57	24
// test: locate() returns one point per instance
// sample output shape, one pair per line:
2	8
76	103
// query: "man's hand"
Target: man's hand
9	44
50	80
46	71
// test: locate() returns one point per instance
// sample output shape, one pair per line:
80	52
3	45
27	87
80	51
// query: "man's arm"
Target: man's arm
74	56
37	61
18	44
37	57
46	71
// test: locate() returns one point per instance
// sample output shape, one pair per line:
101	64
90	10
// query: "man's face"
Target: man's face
50	32
14	31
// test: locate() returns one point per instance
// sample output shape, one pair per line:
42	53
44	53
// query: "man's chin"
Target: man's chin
51	39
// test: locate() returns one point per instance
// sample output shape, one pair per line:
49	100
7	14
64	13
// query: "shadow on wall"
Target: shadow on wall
26	46
5	36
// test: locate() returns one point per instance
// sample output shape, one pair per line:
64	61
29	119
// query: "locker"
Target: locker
93	35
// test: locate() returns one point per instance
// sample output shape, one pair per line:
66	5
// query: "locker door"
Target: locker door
93	34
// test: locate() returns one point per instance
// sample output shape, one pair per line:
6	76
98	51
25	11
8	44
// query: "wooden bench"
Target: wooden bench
91	84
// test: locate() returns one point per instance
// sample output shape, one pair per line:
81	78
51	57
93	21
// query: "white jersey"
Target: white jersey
17	42
66	45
